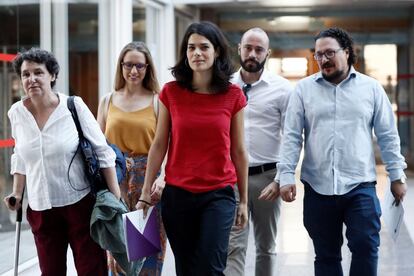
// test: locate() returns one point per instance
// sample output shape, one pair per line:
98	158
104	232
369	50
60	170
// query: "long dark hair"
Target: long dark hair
222	67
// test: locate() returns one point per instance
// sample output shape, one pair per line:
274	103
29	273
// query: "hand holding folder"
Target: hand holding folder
142	236
392	214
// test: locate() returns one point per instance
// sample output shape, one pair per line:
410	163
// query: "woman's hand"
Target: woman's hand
144	202
17	199
156	190
241	218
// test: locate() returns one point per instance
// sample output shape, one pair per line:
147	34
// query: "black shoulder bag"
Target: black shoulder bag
92	167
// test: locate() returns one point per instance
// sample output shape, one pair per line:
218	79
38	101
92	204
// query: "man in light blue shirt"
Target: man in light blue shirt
337	109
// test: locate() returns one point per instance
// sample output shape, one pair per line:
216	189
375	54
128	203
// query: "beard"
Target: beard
335	76
251	65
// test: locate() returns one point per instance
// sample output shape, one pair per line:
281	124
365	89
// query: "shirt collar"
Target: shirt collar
264	77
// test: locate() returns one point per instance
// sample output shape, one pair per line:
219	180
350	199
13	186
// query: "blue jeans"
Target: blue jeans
198	228
324	216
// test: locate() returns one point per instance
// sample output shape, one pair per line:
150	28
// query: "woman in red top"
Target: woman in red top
201	124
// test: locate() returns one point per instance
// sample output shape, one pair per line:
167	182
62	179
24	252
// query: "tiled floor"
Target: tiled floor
295	249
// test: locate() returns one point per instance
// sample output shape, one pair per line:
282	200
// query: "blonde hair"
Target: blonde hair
150	81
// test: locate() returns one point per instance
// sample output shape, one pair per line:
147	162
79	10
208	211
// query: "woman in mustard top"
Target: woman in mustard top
128	118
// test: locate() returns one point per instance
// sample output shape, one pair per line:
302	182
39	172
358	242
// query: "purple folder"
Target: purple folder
142	236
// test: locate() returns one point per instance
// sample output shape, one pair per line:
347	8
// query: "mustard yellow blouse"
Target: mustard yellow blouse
133	132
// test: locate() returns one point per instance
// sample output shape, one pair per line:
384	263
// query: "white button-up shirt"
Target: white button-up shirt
264	116
44	155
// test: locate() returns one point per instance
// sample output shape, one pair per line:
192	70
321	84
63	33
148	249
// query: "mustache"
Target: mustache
256	65
327	64
252	60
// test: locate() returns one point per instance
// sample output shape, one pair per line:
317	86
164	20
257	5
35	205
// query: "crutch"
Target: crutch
12	202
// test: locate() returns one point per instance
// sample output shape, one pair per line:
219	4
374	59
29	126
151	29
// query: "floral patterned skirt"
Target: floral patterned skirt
131	189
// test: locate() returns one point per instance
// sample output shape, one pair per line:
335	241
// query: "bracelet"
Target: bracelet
144	201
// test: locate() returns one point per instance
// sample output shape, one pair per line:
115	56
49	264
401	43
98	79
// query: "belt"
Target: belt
261	168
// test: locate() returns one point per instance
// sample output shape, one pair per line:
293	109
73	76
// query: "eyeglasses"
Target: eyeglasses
246	88
129	65
328	54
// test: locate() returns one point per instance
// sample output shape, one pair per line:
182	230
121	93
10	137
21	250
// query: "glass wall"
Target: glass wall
138	22
381	63
20	24
20	30
83	52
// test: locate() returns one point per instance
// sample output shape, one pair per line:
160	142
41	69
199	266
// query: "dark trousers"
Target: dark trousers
55	228
324	216
198	228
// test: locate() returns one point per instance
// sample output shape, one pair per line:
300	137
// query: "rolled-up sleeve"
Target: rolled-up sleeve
94	134
17	163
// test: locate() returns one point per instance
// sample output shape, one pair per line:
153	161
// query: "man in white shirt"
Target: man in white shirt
267	95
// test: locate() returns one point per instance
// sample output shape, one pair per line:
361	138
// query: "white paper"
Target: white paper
393	215
136	218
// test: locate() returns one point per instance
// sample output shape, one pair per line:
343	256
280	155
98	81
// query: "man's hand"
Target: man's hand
398	190
288	192
241	216
270	192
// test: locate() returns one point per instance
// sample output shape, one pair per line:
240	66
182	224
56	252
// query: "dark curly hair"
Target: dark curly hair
39	56
222	67
344	40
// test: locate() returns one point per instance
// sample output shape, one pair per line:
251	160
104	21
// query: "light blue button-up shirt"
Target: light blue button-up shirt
337	121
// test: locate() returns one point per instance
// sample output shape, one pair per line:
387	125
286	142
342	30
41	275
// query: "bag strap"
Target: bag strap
72	109
107	100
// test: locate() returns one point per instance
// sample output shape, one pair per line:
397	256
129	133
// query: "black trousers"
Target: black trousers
198	228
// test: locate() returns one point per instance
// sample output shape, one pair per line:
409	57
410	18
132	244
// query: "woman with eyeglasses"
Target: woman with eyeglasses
201	125
128	117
